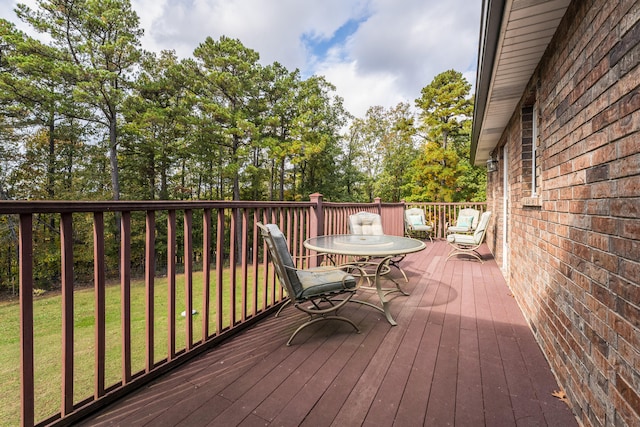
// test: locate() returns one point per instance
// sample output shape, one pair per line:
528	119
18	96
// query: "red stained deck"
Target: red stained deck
462	354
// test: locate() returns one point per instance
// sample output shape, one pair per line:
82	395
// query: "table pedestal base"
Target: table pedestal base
382	269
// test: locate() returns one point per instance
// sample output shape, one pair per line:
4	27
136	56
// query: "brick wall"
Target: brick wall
574	253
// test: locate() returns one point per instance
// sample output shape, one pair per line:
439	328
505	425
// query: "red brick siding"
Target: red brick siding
574	262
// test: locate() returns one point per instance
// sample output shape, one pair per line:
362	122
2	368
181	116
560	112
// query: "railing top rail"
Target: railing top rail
360	204
446	203
63	206
347	204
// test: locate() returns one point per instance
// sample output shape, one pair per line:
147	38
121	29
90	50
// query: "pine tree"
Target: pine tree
446	111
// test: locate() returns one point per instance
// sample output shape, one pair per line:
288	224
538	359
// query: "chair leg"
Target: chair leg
472	252
317	313
320	319
420	235
284	304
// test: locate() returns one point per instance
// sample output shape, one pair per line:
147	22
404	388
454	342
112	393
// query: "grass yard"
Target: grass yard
47	336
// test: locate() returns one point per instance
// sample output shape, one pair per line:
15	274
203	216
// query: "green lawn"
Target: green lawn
47	336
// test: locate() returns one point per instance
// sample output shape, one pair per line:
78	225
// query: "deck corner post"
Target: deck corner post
317	216
316	222
378	202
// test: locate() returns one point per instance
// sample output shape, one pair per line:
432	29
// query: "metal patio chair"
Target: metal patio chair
466	223
415	224
468	244
368	223
320	292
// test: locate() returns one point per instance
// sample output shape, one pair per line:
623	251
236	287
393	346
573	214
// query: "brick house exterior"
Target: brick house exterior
564	127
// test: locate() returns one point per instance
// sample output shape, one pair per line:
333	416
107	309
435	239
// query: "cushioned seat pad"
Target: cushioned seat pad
320	281
462	239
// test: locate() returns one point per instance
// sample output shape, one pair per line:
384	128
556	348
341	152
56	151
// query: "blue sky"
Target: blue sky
320	46
376	52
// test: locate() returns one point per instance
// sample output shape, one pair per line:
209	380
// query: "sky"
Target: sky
376	52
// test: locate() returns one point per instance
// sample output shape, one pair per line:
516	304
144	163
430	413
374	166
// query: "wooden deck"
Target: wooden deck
462	354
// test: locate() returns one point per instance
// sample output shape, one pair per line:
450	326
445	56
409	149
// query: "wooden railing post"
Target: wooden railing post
316	222
378	202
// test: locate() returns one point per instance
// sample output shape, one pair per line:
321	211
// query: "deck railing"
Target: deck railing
443	214
186	307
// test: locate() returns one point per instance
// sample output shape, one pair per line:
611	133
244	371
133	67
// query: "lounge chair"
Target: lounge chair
320	292
468	244
415	224
466	223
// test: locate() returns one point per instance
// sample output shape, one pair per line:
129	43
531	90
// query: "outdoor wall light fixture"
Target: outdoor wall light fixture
492	165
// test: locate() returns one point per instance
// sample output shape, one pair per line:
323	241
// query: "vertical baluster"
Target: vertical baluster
66	254
149	287
299	237
219	269
206	271
171	284
26	320
244	261
269	277
254	259
188	277
232	266
125	294
100	309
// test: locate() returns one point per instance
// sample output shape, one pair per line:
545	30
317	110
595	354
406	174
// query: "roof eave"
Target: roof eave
492	14
514	36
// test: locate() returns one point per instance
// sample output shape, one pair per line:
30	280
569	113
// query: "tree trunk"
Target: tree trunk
51	160
113	157
281	180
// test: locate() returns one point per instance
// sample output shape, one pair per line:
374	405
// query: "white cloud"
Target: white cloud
272	28
7	12
361	91
397	49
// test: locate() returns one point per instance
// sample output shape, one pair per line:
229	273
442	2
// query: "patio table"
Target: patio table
380	248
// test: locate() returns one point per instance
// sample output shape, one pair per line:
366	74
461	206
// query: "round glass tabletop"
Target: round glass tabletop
364	245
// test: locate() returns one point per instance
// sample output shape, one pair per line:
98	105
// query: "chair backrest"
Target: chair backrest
366	223
282	259
414	216
481	229
465	214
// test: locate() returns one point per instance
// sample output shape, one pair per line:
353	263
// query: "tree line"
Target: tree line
87	114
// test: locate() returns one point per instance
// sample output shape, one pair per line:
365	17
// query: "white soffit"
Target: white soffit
527	28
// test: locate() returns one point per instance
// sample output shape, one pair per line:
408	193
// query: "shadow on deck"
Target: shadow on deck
462	354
